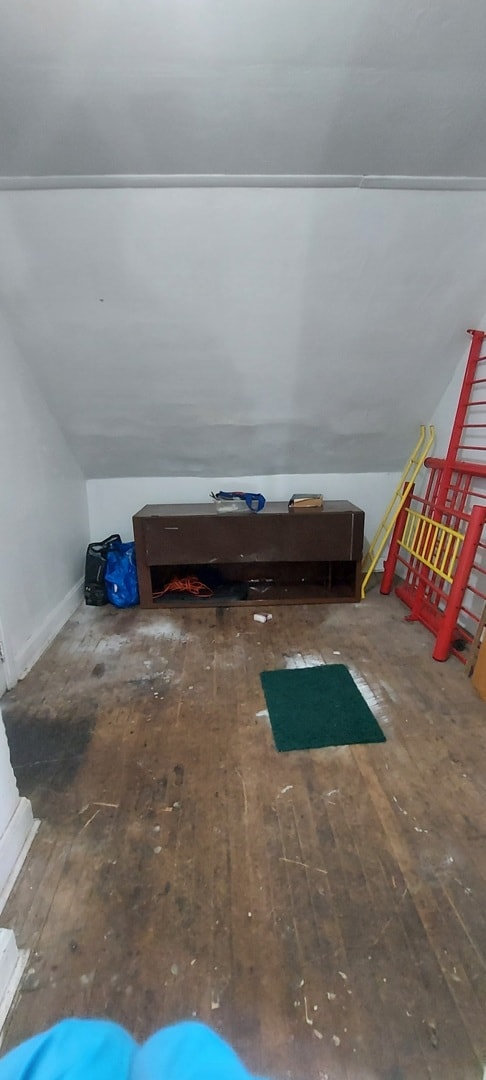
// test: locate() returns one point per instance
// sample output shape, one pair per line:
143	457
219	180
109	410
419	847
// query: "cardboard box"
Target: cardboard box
306	502
479	673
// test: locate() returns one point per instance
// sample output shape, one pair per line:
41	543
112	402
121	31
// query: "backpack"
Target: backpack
95	569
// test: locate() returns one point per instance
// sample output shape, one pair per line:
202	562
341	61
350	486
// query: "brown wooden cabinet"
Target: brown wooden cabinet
274	557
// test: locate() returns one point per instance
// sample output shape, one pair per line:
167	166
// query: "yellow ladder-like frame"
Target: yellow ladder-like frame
396	503
436	546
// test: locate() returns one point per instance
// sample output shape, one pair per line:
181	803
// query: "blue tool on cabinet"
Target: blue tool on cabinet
254	502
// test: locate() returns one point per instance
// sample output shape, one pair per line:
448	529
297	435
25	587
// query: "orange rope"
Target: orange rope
189	584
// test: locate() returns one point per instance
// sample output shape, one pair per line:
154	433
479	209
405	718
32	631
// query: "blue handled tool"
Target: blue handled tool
254	502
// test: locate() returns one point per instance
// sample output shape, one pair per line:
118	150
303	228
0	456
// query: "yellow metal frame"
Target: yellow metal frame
433	544
397	502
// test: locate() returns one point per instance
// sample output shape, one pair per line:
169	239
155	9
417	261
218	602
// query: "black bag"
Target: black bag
95	568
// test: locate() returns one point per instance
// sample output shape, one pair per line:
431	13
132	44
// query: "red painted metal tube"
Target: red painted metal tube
449	619
390	563
474	468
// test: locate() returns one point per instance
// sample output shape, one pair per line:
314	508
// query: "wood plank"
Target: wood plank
183	867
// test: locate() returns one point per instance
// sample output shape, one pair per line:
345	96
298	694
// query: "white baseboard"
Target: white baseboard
47	631
15	842
12	965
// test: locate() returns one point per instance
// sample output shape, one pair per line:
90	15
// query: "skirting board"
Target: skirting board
47	631
14	845
12	965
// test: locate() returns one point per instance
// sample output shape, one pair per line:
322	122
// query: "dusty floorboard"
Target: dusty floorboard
324	910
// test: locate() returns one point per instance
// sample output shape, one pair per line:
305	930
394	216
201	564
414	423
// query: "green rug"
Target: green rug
318	706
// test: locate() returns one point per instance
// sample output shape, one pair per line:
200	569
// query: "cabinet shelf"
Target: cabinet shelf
264	559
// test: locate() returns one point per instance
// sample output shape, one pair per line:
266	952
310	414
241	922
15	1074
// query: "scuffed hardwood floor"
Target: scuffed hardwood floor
323	910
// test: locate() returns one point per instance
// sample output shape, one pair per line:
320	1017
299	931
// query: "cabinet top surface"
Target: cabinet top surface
335	506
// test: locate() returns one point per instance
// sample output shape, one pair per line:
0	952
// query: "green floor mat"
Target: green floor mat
318	706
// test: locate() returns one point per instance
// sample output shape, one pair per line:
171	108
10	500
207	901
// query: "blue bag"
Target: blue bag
121	580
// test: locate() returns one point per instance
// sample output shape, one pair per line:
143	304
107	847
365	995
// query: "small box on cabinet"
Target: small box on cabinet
306	502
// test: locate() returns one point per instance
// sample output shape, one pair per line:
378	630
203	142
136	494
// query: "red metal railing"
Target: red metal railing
455	497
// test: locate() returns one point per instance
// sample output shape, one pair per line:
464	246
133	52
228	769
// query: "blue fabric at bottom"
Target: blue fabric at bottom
187	1051
100	1050
73	1050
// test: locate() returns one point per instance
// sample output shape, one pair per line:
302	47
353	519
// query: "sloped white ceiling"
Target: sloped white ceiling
242	86
237	332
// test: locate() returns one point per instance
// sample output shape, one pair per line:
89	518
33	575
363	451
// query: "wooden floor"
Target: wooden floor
324	910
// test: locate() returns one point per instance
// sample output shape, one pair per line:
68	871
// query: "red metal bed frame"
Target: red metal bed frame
444	568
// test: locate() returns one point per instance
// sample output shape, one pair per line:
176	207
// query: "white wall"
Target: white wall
9	795
17	826
445	410
444	413
112	503
17	830
43	519
3	676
